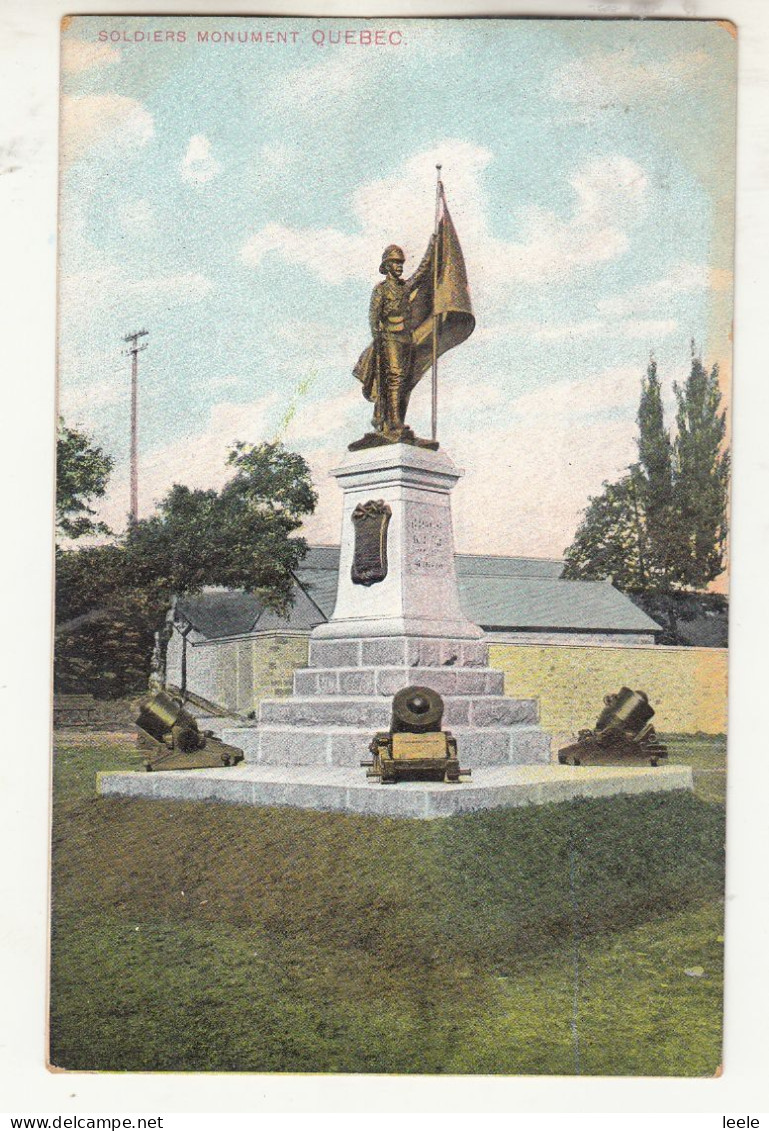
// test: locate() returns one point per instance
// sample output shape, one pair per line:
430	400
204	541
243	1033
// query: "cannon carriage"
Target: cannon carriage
623	733
170	738
415	747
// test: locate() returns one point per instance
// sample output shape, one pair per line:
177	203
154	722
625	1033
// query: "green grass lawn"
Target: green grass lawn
707	757
550	939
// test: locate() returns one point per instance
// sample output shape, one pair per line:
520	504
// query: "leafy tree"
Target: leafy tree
82	472
608	541
661	529
701	478
238	537
112	599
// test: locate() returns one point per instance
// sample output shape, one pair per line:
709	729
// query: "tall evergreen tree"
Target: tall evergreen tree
661	530
654	479
701	477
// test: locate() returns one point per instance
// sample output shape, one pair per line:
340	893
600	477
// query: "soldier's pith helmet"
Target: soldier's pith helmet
390	254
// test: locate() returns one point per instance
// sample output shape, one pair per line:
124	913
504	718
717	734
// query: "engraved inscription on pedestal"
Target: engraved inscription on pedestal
429	548
370	521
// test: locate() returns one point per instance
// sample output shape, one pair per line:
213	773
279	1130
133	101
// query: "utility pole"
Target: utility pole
133	351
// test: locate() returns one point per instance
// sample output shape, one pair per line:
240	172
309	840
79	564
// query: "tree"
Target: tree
608	541
82	472
661	529
112	599
654	480
701	477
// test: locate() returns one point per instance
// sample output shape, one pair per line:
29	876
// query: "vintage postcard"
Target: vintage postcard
392	590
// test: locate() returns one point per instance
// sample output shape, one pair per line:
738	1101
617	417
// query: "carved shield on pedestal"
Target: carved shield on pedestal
370	522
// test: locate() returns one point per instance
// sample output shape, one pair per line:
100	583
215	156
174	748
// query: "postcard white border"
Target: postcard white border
30	31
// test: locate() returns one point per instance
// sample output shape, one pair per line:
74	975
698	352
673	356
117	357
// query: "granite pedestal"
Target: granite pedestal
346	790
407	628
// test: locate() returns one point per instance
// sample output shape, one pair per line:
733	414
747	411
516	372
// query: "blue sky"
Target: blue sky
234	200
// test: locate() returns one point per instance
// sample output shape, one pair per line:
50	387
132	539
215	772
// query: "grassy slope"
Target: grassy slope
207	937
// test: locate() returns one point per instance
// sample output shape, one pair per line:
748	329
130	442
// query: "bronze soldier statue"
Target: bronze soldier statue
391	328
387	368
413	321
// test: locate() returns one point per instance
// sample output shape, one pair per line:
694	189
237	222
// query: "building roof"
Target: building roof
221	612
546	603
497	593
317	575
491	565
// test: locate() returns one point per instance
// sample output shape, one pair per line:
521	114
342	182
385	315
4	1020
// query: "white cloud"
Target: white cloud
198	463
82	407
107	285
316	90
278	157
97	119
78	56
226	381
199	165
603	79
528	480
569	401
330	254
315	420
466	397
648	298
590	329
609	197
524	495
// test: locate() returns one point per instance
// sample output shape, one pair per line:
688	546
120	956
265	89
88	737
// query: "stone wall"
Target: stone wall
625	639
686	686
236	674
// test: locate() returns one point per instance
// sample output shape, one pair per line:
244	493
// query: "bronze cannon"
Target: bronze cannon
170	738
415	747
622	734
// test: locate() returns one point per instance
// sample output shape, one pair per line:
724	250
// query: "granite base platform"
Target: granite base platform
347	790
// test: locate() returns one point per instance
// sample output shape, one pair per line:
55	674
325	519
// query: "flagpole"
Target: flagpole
435	316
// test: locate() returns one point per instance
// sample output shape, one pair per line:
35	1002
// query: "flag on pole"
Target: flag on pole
444	305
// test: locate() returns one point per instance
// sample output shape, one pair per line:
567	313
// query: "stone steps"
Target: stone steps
398	651
291	745
215	723
375	713
389	680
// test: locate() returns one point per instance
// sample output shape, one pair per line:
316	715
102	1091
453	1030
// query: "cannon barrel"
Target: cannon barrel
162	715
170	738
415	747
625	714
416	710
